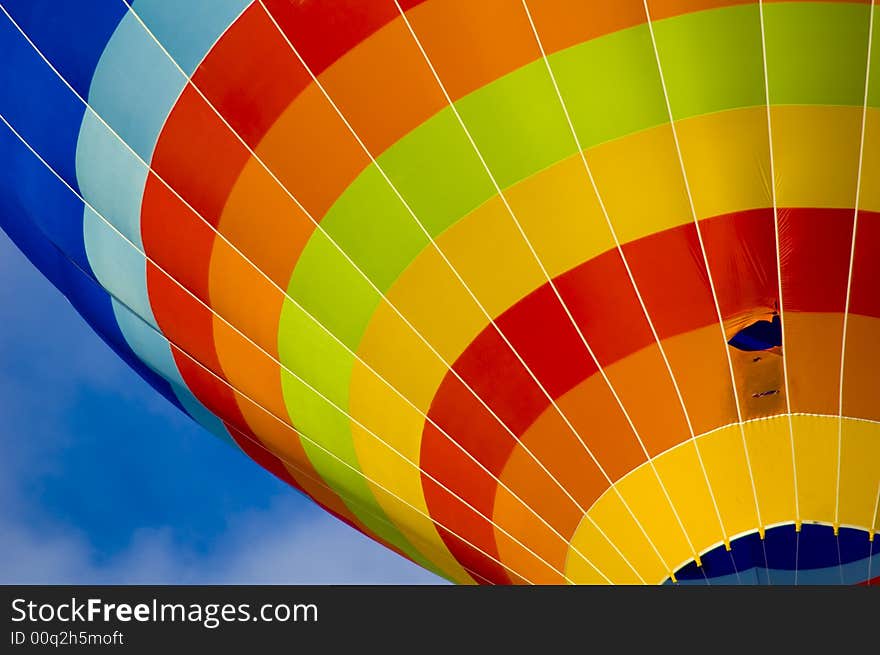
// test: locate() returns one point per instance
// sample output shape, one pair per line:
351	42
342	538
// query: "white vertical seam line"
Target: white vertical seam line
619	247
705	258
852	254
797	508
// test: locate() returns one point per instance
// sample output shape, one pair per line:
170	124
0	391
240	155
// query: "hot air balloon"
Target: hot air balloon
529	291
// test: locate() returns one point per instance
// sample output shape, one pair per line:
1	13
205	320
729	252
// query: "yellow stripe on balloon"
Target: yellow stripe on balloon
815	455
601	555
388	415
769	447
869	194
613	519
859	477
816	152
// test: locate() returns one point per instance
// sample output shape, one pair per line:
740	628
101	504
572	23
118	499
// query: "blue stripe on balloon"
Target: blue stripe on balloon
111	177
91	300
48	116
71	33
853	573
23	224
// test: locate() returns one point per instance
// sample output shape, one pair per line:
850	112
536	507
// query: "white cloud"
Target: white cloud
273	546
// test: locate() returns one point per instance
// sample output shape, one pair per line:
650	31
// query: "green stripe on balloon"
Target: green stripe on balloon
307	349
817	54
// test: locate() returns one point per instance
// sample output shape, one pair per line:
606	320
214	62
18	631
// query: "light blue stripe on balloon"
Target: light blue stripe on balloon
119	266
852	573
110	177
134	88
173	23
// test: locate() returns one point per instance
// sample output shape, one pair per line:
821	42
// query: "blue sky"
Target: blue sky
103	481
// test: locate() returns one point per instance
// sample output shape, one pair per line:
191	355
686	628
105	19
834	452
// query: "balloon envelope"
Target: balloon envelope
529	292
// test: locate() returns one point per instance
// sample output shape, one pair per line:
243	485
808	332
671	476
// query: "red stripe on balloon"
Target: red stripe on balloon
197	156
251	75
669	270
323	31
473	543
175	240
187	325
865	298
742	255
815	248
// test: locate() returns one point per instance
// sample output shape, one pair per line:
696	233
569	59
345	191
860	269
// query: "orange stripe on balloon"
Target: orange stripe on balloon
190	324
473	43
327	157
257	305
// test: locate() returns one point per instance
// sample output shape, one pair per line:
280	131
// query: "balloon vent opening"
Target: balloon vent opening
760	335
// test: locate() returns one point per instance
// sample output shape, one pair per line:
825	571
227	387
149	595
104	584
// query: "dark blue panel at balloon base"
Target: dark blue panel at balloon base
41	215
71	33
45	112
815	555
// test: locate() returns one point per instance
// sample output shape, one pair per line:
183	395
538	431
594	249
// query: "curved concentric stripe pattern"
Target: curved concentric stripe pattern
344	267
